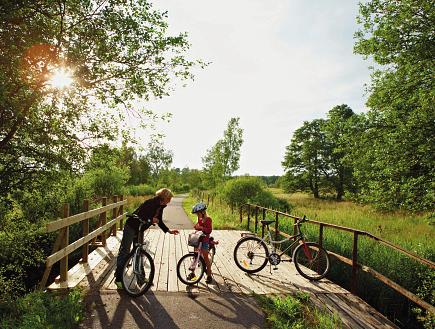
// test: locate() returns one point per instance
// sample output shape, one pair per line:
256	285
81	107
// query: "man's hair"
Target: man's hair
164	193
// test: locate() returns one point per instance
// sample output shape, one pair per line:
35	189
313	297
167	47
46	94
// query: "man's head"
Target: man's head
165	195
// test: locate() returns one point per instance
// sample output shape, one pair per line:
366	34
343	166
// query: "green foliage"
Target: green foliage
223	158
159	158
118	52
23	249
139	190
41	310
316	158
105	182
426	291
296	312
395	152
246	189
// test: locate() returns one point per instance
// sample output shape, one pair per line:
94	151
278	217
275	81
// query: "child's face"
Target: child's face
199	214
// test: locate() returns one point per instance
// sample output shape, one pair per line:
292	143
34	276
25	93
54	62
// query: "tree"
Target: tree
116	52
339	134
304	158
396	151
158	157
222	160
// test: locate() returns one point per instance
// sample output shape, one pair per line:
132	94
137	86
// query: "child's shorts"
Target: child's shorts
205	246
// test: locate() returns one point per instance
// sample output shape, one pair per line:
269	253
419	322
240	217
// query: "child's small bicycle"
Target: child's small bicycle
191	267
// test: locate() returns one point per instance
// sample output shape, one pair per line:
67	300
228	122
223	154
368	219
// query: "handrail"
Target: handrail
354	261
62	248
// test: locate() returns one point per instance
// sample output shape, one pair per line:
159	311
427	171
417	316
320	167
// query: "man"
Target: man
150	209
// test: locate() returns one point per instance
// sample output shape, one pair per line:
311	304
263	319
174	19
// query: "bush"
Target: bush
140	190
23	249
39	310
247	189
108	181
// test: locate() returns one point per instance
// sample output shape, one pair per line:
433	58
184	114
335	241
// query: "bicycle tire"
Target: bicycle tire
316	268
183	271
131	281
242	262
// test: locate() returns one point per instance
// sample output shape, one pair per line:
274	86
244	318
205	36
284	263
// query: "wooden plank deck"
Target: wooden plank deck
167	249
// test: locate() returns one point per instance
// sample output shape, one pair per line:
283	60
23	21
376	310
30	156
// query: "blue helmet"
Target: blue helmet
199	207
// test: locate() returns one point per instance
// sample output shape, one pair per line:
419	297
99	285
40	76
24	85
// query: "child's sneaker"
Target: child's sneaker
209	279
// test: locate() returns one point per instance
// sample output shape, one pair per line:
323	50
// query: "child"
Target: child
205	225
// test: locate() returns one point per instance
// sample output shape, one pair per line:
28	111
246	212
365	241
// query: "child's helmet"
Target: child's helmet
199	207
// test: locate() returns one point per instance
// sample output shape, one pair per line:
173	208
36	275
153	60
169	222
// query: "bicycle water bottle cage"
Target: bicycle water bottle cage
267	222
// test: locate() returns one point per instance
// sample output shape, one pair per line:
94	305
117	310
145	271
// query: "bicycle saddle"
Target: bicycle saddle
267	222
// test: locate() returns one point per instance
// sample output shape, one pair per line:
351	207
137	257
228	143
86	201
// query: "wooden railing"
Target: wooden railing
62	248
255	209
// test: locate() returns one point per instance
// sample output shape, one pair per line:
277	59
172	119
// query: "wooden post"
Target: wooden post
103	221
262	226
354	282
249	214
114	215
321	235
256	218
121	211
208	198
85	229
64	243
276	226
241	213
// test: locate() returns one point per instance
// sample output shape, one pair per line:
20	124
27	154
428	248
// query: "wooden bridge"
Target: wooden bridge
167	249
95	270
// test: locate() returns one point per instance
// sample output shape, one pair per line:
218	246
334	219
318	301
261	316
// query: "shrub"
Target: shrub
140	190
23	248
44	310
247	189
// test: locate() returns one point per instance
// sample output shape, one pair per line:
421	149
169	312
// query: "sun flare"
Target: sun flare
61	78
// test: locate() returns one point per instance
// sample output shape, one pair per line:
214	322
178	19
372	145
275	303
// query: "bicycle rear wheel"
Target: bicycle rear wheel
251	254
311	261
186	273
137	281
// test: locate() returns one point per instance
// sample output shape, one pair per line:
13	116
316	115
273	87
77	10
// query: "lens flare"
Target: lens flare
61	78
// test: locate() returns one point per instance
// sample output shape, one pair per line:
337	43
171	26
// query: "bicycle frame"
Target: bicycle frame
299	237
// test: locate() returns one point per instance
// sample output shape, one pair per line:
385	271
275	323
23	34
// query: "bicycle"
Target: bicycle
138	270
191	263
311	260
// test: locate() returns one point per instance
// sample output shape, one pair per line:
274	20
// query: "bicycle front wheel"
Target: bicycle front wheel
138	278
251	254
189	270
311	261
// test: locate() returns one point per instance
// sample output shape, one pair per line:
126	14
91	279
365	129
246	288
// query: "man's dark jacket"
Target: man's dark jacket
148	210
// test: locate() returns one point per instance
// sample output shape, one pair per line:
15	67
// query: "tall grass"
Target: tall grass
414	232
296	312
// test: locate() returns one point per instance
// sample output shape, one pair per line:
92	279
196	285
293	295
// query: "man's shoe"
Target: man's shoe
118	285
209	279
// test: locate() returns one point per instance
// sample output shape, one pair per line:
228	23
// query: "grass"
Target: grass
40	310
414	232
296	312
223	218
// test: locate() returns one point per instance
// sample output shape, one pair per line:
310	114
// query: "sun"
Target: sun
61	78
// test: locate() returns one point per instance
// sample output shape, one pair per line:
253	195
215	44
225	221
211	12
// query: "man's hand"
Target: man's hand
174	232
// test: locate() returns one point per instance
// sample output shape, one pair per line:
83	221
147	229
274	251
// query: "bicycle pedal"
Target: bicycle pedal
275	268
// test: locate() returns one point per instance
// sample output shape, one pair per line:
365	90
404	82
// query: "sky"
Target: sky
274	64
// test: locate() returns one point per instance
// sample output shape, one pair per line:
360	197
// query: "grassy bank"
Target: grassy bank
296	312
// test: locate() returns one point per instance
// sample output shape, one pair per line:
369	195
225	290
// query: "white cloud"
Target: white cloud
275	64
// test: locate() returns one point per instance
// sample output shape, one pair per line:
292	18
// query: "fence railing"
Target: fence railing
62	248
254	210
